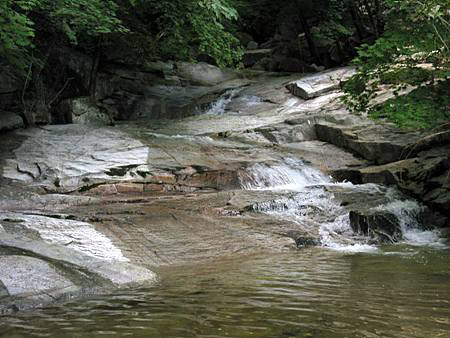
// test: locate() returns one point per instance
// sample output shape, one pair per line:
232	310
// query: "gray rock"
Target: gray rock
78	63
79	236
35	273
244	38
84	110
27	275
381	226
251	57
203	74
3	290
368	141
425	176
317	85
252	45
110	272
10	121
280	63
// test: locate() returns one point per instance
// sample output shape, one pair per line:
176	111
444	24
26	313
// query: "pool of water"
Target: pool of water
397	291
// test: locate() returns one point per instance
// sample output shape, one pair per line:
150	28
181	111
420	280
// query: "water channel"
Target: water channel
343	287
395	291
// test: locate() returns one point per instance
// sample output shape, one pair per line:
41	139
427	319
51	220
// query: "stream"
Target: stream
398	291
246	236
343	288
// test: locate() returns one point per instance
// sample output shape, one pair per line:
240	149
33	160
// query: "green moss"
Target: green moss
423	108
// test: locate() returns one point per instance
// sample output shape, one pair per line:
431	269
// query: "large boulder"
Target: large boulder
11	84
252	57
83	110
10	121
380	226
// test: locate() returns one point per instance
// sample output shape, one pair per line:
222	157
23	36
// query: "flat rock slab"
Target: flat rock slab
65	158
378	143
87	271
79	236
319	84
251	57
27	275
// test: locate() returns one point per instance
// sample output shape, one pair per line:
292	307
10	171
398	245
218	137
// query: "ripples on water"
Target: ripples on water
401	291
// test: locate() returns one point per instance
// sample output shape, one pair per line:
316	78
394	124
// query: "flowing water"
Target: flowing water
350	290
309	202
218	106
342	288
400	291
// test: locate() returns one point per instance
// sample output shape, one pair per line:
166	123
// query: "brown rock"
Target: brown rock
124	188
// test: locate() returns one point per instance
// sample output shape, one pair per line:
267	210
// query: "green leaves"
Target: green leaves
72	17
16	31
84	17
189	27
184	27
417	35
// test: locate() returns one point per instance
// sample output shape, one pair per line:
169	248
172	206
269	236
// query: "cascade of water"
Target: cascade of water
293	175
218	106
308	203
408	213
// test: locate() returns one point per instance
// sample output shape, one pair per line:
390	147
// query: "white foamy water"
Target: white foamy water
293	176
218	106
309	204
408	213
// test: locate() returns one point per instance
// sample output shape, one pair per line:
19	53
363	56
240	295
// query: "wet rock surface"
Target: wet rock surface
90	207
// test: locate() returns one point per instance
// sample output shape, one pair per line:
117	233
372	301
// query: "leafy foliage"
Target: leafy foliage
84	17
187	27
16	31
421	109
417	35
183	27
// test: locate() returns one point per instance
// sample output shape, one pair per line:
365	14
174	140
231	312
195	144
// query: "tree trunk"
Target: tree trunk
94	70
372	18
309	38
379	16
356	20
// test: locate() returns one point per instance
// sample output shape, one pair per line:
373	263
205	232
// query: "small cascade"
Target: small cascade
408	213
218	106
294	175
307	201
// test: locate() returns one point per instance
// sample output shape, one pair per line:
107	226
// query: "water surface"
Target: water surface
397	291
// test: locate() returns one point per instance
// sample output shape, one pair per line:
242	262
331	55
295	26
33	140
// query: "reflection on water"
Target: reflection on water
400	291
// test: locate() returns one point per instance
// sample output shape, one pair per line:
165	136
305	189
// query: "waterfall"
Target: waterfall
305	200
218	106
408	213
293	175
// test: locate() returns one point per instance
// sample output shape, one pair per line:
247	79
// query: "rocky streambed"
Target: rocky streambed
271	164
